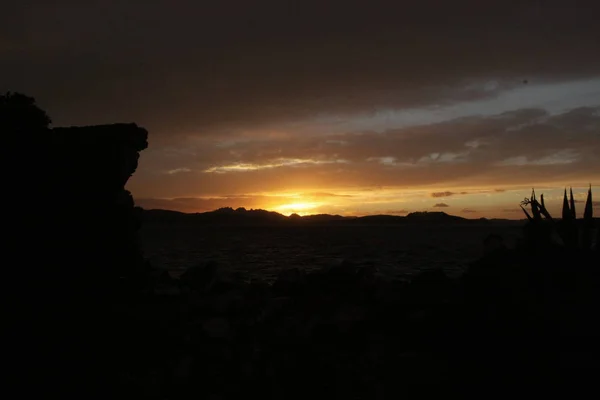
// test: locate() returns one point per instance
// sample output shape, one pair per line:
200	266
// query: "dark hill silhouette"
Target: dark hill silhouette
434	216
240	216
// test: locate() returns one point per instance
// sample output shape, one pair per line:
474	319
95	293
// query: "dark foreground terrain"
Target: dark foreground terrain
513	318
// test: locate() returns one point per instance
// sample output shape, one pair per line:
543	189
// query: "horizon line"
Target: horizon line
332	215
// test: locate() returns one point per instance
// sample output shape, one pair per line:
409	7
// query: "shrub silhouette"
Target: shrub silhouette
573	233
20	113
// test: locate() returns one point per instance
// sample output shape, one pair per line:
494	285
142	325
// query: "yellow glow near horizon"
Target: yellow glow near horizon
467	201
296	208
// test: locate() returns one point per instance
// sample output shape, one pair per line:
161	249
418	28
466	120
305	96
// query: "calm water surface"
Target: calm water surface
261	252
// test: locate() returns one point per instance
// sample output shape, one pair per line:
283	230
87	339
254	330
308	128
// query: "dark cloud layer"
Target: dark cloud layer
202	68
441	205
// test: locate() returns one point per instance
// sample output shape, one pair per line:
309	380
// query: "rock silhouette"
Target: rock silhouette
72	229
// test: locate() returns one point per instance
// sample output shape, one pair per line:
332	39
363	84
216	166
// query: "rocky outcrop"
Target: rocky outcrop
72	245
79	211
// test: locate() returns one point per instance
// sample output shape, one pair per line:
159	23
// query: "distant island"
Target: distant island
242	216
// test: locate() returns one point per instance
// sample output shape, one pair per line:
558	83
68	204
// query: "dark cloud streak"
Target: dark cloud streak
445	194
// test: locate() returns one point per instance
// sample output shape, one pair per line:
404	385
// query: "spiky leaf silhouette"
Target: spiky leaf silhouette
588	214
572	201
526	213
566	211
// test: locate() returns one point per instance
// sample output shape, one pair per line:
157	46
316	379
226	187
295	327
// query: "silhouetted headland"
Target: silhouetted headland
73	230
241	216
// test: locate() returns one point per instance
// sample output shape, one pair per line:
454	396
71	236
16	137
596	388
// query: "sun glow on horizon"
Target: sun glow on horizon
466	201
299	208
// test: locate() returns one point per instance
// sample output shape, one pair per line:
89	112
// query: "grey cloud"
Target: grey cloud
204	68
530	133
441	205
408	145
448	194
442	194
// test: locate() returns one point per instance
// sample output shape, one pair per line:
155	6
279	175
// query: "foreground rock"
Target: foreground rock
345	331
73	241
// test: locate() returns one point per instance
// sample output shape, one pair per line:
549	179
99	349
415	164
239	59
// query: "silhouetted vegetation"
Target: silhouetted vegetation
543	230
20	113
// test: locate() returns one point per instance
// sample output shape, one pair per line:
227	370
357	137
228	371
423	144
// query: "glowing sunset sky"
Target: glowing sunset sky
338	107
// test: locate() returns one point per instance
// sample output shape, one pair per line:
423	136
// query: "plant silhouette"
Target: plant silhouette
20	113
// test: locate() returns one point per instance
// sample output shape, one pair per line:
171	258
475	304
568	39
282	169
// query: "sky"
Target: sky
341	107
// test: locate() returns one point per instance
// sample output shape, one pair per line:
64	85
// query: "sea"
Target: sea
262	252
